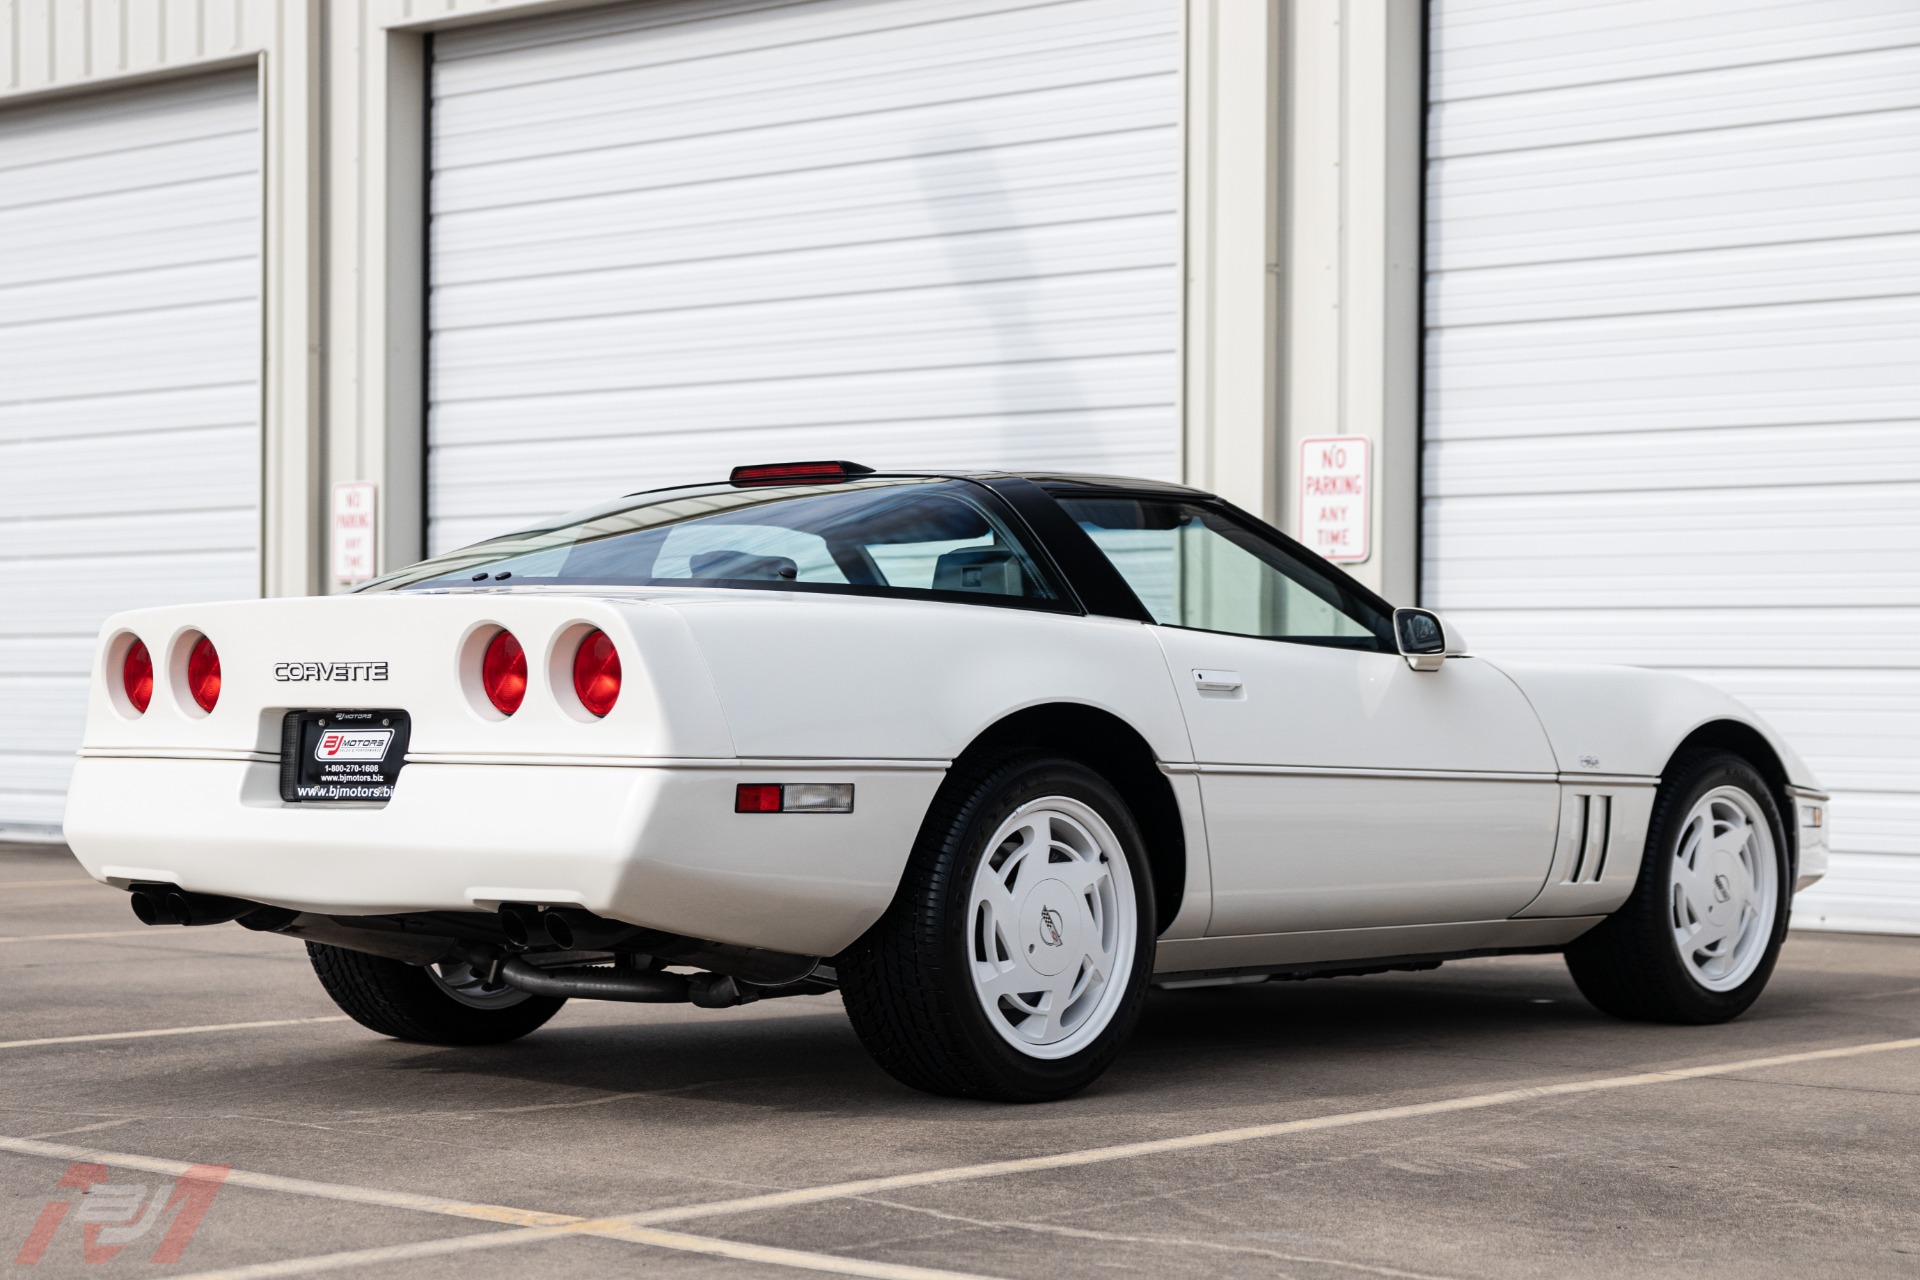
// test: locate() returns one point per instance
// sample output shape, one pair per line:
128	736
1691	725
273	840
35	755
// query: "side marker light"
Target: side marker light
793	797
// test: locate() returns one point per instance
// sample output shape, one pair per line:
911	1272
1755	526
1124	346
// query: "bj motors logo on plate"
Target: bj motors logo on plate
353	744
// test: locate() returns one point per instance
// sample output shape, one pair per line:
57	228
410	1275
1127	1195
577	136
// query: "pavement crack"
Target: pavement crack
85	1128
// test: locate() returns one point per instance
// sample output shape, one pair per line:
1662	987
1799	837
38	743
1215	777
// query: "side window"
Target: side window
1194	566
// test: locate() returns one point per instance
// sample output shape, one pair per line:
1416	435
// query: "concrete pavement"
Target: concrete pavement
376	1158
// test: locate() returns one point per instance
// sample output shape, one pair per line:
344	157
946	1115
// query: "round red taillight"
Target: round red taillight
596	673
136	675
203	673
503	673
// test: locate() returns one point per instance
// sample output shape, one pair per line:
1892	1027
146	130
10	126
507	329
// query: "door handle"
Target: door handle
1217	681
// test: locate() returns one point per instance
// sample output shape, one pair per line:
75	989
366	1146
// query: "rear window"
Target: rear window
939	539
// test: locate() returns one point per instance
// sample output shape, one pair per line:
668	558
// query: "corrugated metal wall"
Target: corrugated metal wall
670	238
129	389
1673	370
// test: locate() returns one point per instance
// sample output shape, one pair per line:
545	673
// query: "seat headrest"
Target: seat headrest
987	570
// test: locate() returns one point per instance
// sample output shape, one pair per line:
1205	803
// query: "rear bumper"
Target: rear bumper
654	846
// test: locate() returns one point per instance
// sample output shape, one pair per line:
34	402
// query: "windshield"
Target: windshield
926	537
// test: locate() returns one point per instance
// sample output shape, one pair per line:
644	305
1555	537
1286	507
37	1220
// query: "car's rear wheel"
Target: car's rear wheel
1697	940
436	1004
1014	960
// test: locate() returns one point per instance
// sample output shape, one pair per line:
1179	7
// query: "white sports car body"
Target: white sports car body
800	661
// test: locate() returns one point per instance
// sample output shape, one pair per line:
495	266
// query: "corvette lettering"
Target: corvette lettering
341	671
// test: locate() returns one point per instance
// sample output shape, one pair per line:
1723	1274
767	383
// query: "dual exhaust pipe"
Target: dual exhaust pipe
568	928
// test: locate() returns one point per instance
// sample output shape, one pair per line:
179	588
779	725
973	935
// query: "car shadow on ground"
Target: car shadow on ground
808	1059
1299	1040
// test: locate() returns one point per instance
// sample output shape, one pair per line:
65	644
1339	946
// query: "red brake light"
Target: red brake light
596	673
503	673
798	473
203	673
136	675
757	797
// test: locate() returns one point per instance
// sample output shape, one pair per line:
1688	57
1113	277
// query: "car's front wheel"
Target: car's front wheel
1697	939
1014	960
440	1004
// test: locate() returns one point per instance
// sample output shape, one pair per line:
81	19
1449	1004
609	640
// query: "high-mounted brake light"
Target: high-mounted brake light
203	673
136	676
503	673
596	673
793	797
797	473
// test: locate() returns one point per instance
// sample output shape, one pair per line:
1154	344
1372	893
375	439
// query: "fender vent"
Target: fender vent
1592	823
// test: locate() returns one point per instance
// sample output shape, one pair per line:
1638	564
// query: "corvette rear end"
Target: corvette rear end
389	753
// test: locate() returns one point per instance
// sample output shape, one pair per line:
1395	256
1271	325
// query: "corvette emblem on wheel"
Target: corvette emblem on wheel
1722	888
1050	923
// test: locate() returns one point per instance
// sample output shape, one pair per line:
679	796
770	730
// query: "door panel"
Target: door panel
1344	790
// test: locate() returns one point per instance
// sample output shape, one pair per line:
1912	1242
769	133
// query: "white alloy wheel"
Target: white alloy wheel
1725	889
1052	927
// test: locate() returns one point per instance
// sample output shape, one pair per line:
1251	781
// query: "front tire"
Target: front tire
1697	939
444	1004
1014	961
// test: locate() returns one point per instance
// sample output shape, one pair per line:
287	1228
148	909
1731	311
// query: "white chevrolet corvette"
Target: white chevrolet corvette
989	754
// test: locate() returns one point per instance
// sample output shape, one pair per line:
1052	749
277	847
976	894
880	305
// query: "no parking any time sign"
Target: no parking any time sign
1336	476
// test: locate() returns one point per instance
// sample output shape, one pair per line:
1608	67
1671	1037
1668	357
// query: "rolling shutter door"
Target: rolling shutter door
670	238
1673	396
129	390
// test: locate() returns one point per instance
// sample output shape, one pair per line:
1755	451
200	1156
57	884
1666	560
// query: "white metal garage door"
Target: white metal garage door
129	396
1673	398
669	238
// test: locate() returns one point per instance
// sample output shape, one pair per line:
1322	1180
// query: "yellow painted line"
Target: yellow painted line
142	932
165	1031
534	1225
45	884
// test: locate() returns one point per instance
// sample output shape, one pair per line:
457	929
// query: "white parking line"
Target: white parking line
170	1031
45	884
1251	1133
75	937
637	1227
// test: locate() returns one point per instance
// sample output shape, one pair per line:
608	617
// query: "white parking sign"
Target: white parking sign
1336	477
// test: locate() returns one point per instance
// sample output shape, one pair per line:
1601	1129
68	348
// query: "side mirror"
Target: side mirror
1422	638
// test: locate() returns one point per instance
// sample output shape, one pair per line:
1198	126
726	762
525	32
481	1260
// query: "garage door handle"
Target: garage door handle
1217	681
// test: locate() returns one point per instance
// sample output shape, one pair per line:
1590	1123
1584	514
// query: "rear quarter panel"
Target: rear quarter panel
848	677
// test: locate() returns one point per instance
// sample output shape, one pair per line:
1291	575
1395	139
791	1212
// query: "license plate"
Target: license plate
335	757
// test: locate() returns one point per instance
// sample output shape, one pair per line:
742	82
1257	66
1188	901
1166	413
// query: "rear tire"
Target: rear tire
1014	960
1697	939
428	1006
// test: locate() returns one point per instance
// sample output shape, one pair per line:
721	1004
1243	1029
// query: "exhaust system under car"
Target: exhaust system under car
499	946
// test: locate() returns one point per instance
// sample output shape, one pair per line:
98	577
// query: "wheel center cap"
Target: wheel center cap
1049	928
1720	885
